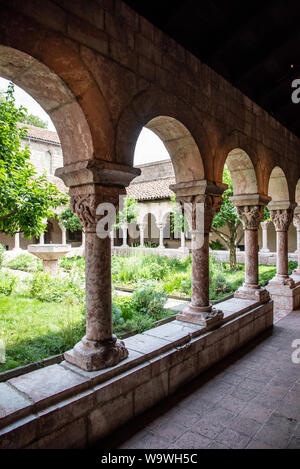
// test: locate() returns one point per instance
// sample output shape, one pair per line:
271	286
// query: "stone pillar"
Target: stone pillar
63	235
42	238
264	226
17	242
182	240
124	228
250	211
297	226
161	227
99	348
282	218
142	234
201	200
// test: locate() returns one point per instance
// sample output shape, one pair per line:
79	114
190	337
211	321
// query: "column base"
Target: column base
282	281
204	316
285	295
93	355
258	294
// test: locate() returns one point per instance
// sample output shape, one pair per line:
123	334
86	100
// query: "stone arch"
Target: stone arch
55	98
242	172
278	188
54	74
174	123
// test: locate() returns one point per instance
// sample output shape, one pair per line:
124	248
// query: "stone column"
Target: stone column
99	348
282	218
17	242
63	235
201	200
264	226
161	227
297	225
93	182
124	228
182	240
42	238
142	234
250	211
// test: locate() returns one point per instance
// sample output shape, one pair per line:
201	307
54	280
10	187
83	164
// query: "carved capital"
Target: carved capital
86	199
282	218
199	210
250	216
296	220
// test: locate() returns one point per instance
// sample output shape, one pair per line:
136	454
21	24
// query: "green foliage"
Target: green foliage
55	289
26	263
25	198
128	214
32	119
7	284
227	216
178	221
216	245
266	216
70	220
2	254
70	263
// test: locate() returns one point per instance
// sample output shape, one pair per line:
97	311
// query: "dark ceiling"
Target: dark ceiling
255	45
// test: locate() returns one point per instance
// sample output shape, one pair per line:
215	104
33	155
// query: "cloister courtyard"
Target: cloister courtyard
141	305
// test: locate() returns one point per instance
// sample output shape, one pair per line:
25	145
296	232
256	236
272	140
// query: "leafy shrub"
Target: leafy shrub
25	262
2	254
117	317
7	284
56	289
149	299
216	245
70	263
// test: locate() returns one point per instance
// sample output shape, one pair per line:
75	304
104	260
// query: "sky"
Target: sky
149	147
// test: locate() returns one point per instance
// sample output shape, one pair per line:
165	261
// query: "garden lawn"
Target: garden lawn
33	330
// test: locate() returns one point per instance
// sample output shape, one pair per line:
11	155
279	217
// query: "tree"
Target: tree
26	199
27	118
128	214
227	217
32	119
70	220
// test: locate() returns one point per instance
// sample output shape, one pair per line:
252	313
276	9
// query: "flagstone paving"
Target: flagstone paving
249	400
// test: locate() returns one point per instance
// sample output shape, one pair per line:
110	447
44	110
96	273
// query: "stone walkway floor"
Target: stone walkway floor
249	400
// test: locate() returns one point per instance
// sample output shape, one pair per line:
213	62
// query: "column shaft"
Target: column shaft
251	258
200	275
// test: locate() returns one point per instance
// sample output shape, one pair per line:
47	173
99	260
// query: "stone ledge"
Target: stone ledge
52	398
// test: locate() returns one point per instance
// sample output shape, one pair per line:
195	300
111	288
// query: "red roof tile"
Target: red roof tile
151	190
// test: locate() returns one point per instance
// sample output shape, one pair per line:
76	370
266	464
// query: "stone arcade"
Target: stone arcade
102	72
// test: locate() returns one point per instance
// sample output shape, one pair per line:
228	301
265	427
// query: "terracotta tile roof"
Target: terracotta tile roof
41	134
151	190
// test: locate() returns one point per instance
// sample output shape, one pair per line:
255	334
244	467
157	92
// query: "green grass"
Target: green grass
33	330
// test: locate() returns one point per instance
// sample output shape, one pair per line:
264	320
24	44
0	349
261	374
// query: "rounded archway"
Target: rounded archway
278	187
243	176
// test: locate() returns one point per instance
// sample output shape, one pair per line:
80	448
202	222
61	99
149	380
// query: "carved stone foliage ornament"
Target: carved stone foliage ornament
250	216
199	210
85	206
297	221
282	218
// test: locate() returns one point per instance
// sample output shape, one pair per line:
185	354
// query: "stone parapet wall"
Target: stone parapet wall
62	406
